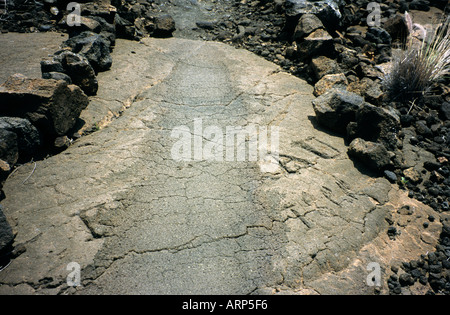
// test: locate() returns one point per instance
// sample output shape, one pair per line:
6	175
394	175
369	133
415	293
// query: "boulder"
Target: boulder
326	10
5	170
9	151
28	137
57	76
207	25
372	154
61	143
307	24
317	43
94	47
347	58
397	28
367	70
51	65
369	89
329	81
107	30
102	10
51	105
323	65
378	124
164	26
124	28
144	26
378	35
336	108
6	235
85	24
79	70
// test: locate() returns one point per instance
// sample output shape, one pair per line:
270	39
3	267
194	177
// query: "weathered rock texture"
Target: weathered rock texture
138	221
51	105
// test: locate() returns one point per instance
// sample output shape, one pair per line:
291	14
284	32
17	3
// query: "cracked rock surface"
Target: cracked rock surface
138	221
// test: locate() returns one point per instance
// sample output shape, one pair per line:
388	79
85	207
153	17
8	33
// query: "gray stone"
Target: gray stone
207	25
6	234
318	43
9	151
365	70
57	76
326	10
372	154
422	128
164	26
378	35
51	65
94	47
337	108
28	137
323	65
62	143
445	110
390	176
378	124
329	81
307	24
79	70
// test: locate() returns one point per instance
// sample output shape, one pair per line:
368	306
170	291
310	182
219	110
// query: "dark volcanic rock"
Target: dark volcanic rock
397	28
6	235
57	76
406	279
318	43
372	154
99	10
95	47
378	35
378	124
28	137
164	26
323	65
337	108
307	24
445	110
9	151
79	70
51	65
326	10
52	106
124	28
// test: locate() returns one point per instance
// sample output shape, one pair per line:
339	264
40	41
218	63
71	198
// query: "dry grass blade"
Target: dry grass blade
35	164
417	67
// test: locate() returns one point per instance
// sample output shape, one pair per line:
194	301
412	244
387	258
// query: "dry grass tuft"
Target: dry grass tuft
418	66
